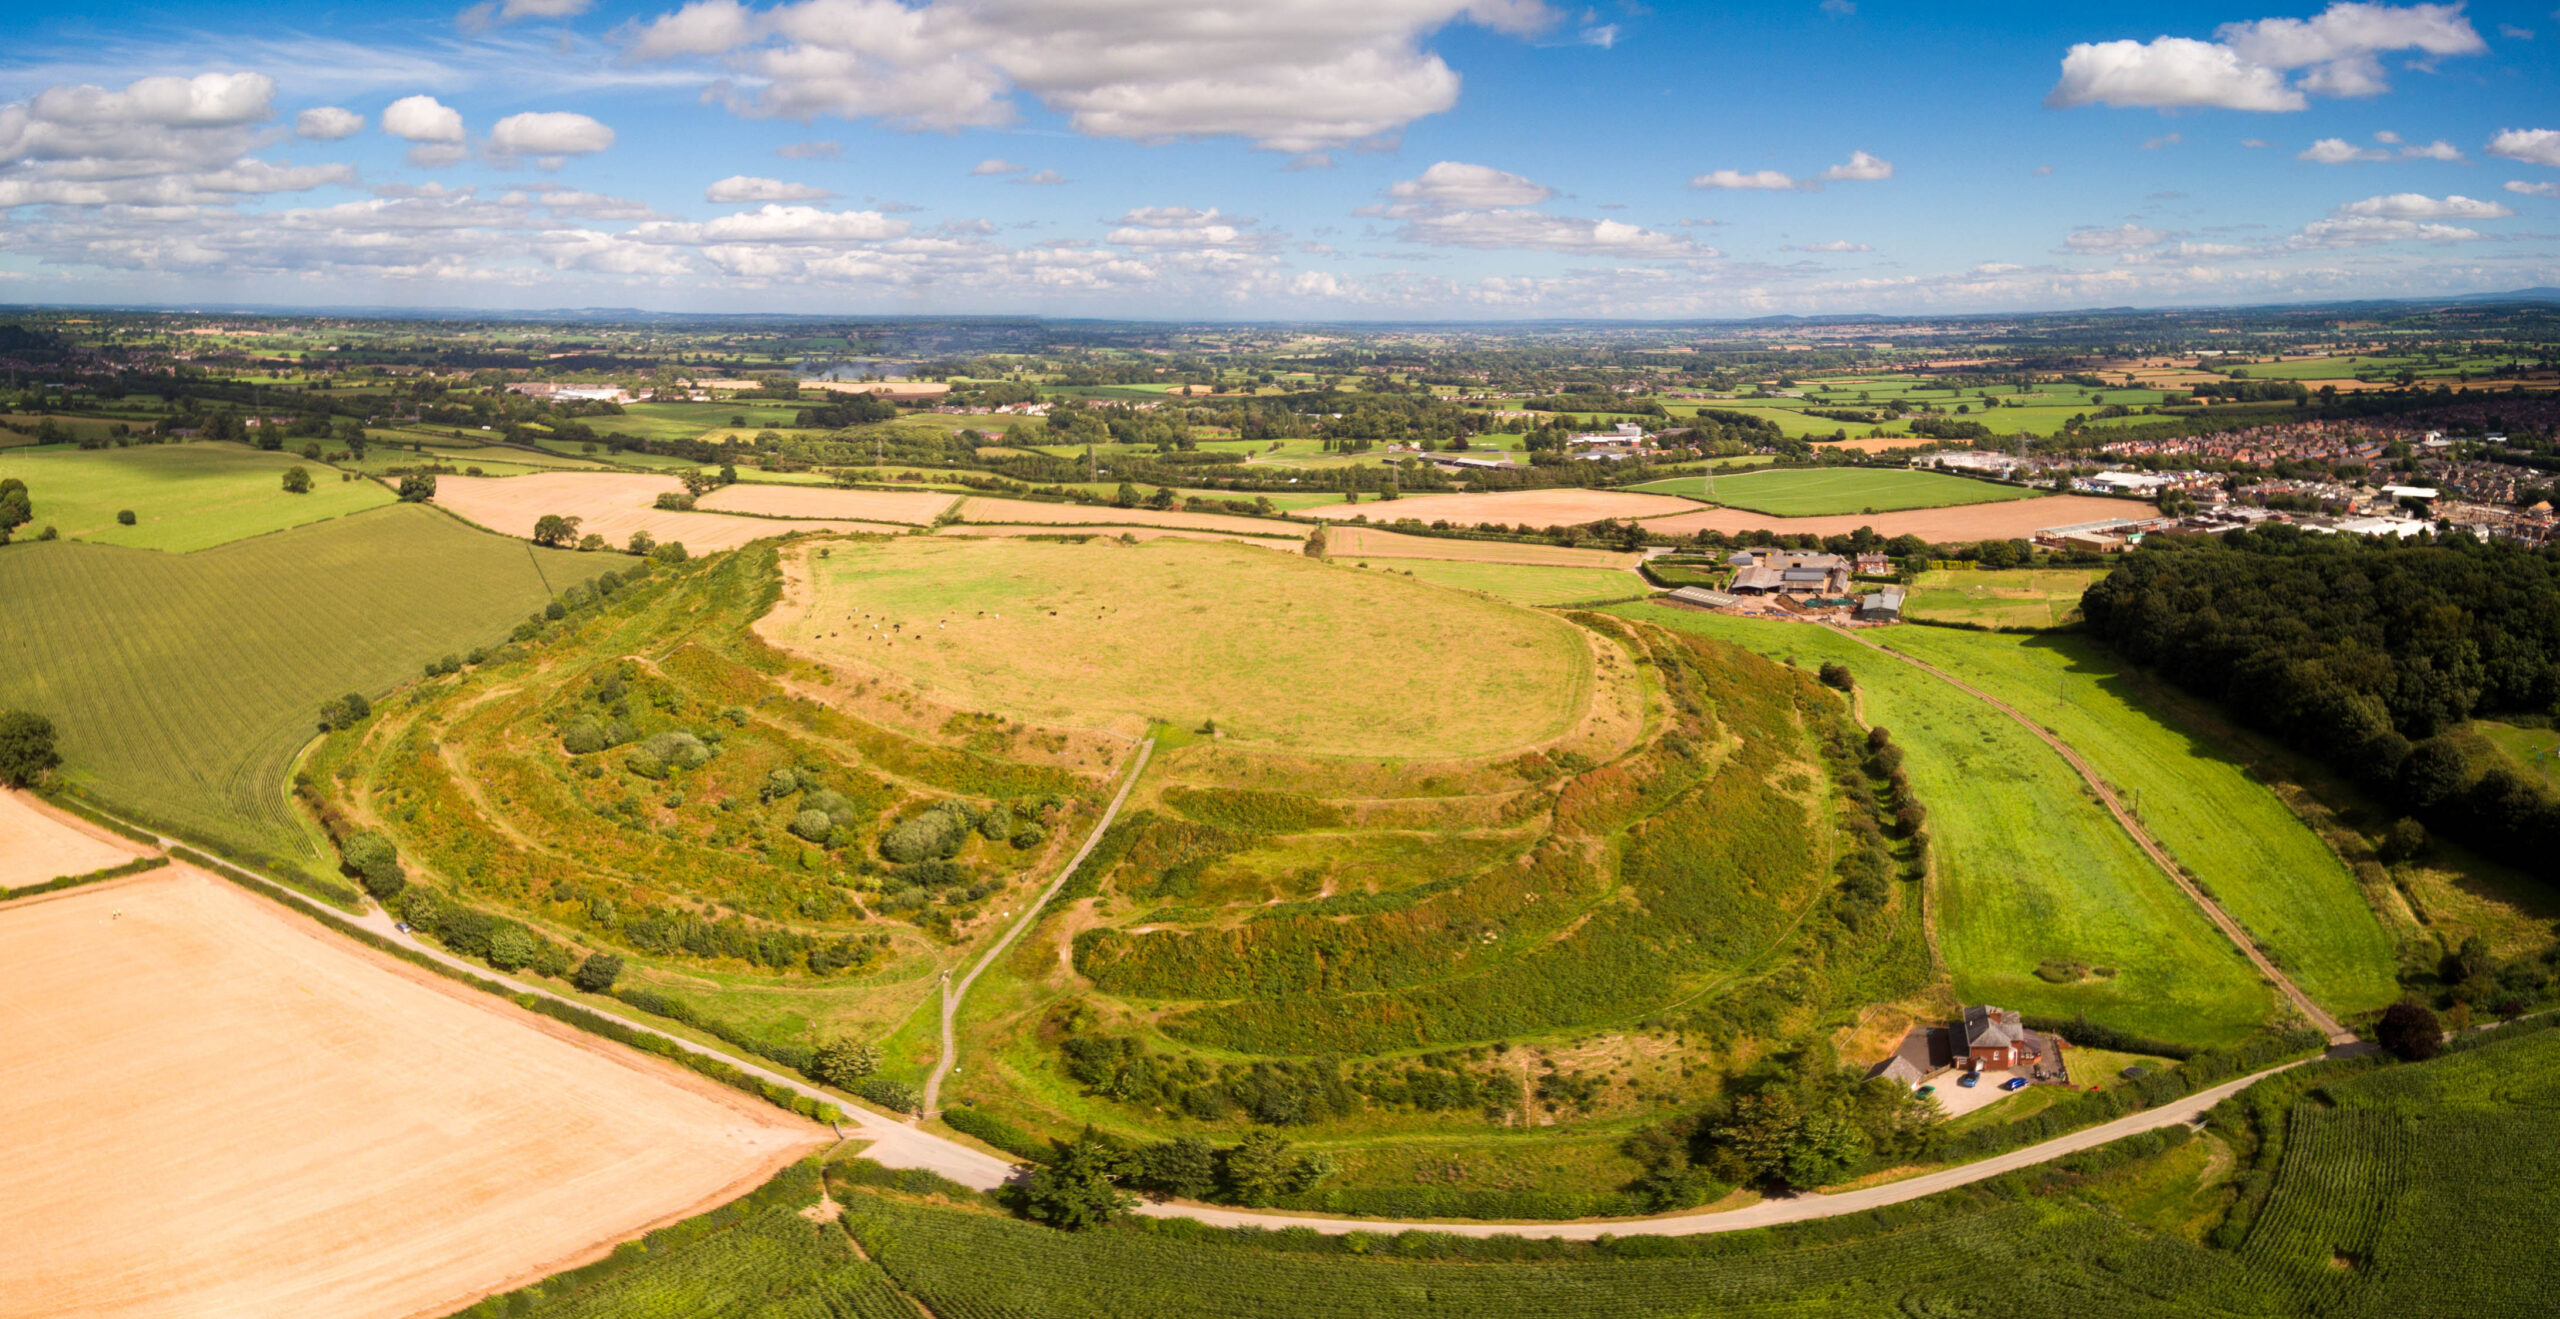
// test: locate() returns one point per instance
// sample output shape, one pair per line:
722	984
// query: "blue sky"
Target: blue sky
1276	159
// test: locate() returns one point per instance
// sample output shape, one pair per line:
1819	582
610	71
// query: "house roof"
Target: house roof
1987	1027
1699	595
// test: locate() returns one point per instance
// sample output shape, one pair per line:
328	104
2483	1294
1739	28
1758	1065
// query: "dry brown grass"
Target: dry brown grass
2008	520
913	507
217	1109
1018	530
1537	508
38	843
608	504
981	509
1375	543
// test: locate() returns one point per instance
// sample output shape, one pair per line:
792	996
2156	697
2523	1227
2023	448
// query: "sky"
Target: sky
1337	160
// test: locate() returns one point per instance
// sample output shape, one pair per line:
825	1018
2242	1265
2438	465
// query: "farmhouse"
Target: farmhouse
1983	1039
1792	573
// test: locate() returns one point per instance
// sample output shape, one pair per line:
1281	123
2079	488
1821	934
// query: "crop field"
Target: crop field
981	510
38	843
326	1132
183	496
608	504
1105	635
2005	520
1527	585
684	421
808	501
2001	597
184	684
2030	870
1531	508
1355	542
1821	491
2257	859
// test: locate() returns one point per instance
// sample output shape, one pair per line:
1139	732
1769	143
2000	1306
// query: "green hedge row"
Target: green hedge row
996	1131
2080	1032
1405	1202
134	867
64	801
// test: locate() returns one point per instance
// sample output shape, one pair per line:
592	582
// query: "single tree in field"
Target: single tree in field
15	508
553	529
597	974
1315	548
26	748
842	1062
417	489
1077	1190
642	542
1837	675
2409	1031
297	480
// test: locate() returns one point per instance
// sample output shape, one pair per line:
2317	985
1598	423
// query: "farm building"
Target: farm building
1984	1039
1884	606
1703	598
1874	565
1793	573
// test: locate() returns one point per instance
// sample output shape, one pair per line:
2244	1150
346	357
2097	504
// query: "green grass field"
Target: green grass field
2535	752
1822	491
2257	859
1110	635
684	421
2004	597
184	685
1525	584
183	496
2029	868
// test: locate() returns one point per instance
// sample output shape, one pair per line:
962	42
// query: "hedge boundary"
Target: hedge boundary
134	867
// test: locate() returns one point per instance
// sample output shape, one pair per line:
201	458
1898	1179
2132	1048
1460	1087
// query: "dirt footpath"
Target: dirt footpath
217	1109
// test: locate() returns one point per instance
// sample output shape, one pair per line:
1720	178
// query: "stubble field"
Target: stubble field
914	508
2008	520
1536	508
608	504
38	844
217	1111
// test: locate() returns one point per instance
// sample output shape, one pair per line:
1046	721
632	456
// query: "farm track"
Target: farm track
2239	935
953	994
898	1145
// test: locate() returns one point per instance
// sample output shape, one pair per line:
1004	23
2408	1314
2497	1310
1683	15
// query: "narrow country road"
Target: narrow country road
2238	934
952	994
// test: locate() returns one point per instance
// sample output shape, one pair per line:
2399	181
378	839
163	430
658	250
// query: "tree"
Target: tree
26	748
1076	1190
1315	547
642	542
1186	1167
553	529
1837	675
1823	1150
843	1062
417	488
597	974
16	509
2409	1031
2404	840
297	480
344	712
1260	1170
370	857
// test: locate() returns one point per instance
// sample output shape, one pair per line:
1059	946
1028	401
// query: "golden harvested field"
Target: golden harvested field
38	843
2011	520
915	507
1016	531
1373	543
1537	508
1283	652
981	509
608	504
218	1110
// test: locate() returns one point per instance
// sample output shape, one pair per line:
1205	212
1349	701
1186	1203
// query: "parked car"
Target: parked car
1969	1080
2014	1083
1926	1091
401	926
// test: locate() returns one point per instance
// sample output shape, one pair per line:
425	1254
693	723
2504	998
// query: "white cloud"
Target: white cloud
1451	183
2436	150
823	150
806	225
2256	143
260	177
1289	75
550	133
2359	230
422	119
480	17
437	155
1047	178
2244	67
2534	189
327	123
1514	228
1836	245
1175	227
993	166
747	188
2417	206
2102	242
1862	168
2534	146
2339	151
1764	179
159	142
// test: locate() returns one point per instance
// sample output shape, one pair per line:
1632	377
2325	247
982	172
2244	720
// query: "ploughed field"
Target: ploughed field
216	1109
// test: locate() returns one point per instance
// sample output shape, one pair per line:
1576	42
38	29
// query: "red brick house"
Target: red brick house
1995	1040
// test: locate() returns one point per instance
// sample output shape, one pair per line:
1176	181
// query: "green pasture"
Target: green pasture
1818	491
22	425
1524	584
2028	867
2244	844
183	496
2002	597
2534	752
183	685
684	421
1102	634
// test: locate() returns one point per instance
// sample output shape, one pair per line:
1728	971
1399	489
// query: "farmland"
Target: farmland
183	496
441	1144
2000	597
608	504
1540	508
1820	492
1356	543
2029	871
38	843
2005	519
1104	635
1523	584
184	684
2252	854
798	501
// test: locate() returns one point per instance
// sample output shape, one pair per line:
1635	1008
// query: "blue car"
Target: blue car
2014	1083
1969	1080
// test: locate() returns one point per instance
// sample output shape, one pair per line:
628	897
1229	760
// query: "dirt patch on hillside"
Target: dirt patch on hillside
217	1108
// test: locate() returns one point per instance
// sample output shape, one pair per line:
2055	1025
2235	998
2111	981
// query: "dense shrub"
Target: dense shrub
371	858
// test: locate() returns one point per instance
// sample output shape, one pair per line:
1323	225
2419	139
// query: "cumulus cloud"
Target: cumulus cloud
1163	228
549	136
747	188
481	17
422	119
2360	230
2107	242
1760	179
1862	168
2245	67
156	142
1451	183
2417	206
806	225
1046	178
1528	229
992	166
2339	151
2534	189
2534	146
1290	75
327	123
